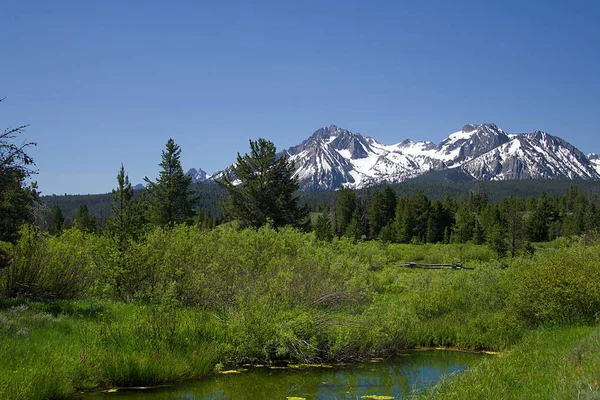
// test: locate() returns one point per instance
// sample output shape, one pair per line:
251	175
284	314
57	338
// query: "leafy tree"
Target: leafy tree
125	223
169	199
266	192
57	220
84	221
16	198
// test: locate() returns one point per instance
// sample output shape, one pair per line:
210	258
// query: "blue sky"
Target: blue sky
102	83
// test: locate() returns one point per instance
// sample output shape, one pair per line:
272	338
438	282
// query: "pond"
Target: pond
389	379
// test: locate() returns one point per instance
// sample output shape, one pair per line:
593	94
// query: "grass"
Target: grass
195	301
85	345
555	363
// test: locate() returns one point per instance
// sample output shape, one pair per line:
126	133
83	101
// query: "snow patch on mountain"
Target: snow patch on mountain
595	161
198	175
332	157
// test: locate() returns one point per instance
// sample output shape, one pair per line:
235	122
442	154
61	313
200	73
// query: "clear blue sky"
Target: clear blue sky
106	82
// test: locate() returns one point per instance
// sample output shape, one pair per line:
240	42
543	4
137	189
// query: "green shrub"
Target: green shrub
562	288
46	268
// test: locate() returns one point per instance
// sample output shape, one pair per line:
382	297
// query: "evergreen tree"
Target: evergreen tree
511	214
16	198
539	221
124	224
322	228
465	223
169	199
84	221
495	240
56	221
437	223
204	220
420	208
355	230
488	217
478	233
574	210
267	189
404	221
381	210
345	204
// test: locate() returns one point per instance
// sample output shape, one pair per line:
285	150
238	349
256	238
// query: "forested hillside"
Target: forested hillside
210	195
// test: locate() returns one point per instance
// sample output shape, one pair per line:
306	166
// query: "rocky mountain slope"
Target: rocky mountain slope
332	157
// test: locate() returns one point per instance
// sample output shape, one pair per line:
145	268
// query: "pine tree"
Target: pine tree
420	208
381	210
84	221
478	233
170	199
541	219
465	223
345	204
204	220
266	192
404	221
124	224
16	198
435	223
511	214
57	220
322	228
354	230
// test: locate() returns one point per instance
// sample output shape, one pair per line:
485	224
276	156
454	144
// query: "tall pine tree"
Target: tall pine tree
169	199
266	191
16	198
84	221
381	210
345	204
56	221
124	224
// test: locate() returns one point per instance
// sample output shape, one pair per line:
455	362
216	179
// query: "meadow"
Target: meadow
80	311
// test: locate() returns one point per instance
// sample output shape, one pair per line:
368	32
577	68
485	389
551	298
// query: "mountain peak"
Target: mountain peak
469	128
328	132
333	157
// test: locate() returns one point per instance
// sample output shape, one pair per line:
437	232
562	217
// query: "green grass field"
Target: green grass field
185	303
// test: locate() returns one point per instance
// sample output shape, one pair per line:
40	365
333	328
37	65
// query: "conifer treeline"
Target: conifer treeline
266	196
507	226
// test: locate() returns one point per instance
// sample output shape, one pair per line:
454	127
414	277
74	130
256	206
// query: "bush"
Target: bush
562	288
44	268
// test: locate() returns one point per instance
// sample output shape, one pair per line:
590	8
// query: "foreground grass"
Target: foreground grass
53	350
558	363
185	302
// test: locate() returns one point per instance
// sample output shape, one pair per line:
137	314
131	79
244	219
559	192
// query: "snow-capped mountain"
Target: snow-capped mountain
332	157
198	175
536	155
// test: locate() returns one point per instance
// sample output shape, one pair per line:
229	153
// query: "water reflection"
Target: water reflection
395	378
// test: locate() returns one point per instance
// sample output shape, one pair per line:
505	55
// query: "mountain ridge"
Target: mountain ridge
333	157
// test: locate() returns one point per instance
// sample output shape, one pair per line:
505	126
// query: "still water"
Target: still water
391	379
